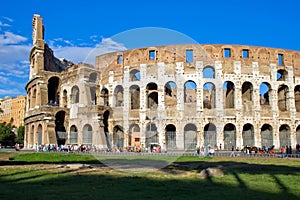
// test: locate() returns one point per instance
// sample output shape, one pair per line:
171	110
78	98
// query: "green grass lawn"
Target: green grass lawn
38	176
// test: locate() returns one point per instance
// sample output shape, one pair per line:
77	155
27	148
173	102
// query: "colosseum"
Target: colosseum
179	96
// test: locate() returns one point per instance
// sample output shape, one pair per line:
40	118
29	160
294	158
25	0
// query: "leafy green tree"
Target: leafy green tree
20	135
7	136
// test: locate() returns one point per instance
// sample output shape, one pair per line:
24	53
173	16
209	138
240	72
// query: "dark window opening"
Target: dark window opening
280	59
245	53
120	59
227	53
152	55
189	55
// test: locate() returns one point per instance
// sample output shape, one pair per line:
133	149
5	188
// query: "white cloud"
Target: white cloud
3	24
11	38
87	54
8	19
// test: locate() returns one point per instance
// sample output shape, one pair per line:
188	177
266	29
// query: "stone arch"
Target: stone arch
60	129
229	90
298	134
297	97
33	98
190	93
31	135
87	134
135	75
118	96
208	72
106	116
229	136
65	99
73	135
93	90
170	135
209	95
75	94
152	95
118	136
283	95
104	96
247	91
248	135
282	75
93	77
266	133
210	135
134	97
134	135
170	94
190	137
53	91
40	134
265	91
284	135
151	134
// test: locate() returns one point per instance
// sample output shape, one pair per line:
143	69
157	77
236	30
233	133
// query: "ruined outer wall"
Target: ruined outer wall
235	63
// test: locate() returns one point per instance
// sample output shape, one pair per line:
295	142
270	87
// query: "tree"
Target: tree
7	136
20	135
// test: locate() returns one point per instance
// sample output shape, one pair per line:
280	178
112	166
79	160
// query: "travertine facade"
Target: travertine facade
13	110
178	95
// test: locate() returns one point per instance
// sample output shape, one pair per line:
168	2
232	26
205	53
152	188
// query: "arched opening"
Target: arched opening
248	135
73	135
208	72
134	97
75	94
210	135
266	133
87	134
93	77
134	136
229	90
265	93
53	92
190	93
247	92
33	98
297	98
190	137
60	129
106	116
209	96
298	135
104	96
282	75
93	95
170	134
284	135
151	134
118	137
152	95
229	136
283	94
31	135
170	94
118	96
135	75
65	98
40	134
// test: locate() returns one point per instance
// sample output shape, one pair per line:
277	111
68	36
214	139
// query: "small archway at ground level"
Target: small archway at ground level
248	135
40	134
298	135
60	129
151	134
118	136
190	137
170	134
284	135
210	135
106	116
73	135
134	135
266	133
87	134
229	136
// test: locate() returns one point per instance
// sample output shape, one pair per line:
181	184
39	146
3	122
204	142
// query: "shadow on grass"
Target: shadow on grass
127	186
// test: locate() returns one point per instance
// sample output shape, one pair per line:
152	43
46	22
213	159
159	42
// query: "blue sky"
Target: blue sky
74	28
